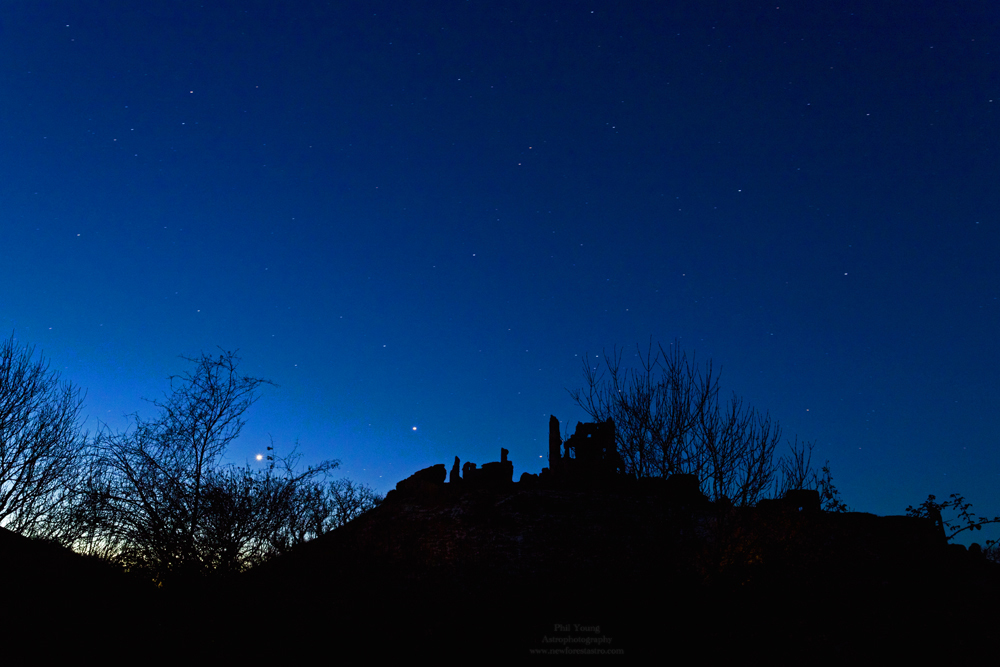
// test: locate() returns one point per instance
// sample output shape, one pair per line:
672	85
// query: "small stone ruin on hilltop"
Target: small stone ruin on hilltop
583	513
587	459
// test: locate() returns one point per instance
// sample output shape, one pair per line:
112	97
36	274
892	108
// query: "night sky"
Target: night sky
417	218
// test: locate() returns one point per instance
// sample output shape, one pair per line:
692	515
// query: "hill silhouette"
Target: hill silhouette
60	601
573	560
639	567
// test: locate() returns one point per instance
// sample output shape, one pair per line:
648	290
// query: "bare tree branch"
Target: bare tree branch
669	419
41	444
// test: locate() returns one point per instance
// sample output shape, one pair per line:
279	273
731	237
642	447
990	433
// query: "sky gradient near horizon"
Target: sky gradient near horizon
417	220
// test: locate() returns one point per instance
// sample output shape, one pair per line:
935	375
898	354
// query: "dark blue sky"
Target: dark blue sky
424	214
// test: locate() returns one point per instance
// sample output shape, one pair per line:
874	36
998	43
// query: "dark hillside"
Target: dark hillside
62	602
485	566
631	567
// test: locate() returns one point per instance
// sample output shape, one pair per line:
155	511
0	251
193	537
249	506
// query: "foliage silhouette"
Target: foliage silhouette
967	520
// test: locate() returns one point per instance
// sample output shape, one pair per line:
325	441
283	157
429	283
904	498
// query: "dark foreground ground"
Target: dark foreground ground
632	572
517	572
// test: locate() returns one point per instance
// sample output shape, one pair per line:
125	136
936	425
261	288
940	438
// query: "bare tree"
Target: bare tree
162	501
156	481
41	444
795	471
252	515
257	514
657	409
738	446
315	508
669	419
351	500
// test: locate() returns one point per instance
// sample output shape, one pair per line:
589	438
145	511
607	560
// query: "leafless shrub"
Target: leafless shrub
351	500
161	501
795	471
